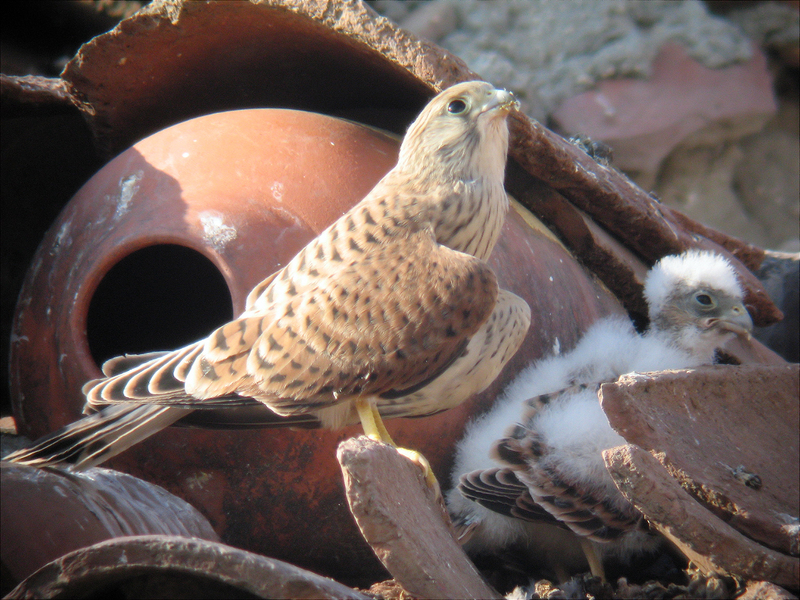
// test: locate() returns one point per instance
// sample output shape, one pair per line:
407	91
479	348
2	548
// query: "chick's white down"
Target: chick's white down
684	333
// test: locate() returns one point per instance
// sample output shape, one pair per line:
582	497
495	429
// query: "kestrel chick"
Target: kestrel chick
392	309
531	471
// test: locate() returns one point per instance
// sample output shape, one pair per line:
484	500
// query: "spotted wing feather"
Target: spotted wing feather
500	490
401	313
569	501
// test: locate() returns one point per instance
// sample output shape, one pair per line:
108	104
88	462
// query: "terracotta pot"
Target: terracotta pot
166	241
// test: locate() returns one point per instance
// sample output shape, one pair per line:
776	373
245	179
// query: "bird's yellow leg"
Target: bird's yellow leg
595	564
371	421
374	428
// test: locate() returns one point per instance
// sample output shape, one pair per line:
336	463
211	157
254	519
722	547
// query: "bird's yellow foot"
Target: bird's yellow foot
427	472
375	429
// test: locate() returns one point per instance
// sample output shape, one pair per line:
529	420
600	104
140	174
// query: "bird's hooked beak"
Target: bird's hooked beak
736	320
503	100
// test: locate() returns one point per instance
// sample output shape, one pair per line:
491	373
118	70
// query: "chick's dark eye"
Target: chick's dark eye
456	107
704	299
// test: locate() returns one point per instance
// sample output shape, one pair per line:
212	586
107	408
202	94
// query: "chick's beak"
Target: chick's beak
736	320
502	100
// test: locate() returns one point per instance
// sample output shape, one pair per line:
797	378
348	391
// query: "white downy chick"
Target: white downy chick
531	470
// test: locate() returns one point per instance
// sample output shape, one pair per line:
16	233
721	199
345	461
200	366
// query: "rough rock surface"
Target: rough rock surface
550	53
746	186
644	120
764	182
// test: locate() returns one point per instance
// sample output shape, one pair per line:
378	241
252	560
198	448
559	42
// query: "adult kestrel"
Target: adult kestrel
534	463
391	310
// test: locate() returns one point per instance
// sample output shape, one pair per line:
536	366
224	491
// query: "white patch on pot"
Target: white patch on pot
18	339
63	239
215	231
127	190
277	191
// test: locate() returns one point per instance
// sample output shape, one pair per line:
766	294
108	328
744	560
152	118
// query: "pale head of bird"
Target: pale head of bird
697	300
461	134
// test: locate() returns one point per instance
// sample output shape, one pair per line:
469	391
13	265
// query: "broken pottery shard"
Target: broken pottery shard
33	90
752	352
719	430
47	513
171	566
704	538
404	524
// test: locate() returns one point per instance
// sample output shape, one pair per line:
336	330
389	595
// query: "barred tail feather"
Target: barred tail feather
92	440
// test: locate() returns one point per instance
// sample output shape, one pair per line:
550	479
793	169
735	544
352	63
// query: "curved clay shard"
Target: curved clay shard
705	539
78	509
159	67
730	437
175	567
405	524
711	426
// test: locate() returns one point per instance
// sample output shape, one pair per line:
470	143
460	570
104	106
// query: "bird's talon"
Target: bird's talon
427	472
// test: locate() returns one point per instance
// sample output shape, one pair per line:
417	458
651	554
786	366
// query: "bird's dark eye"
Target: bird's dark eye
456	107
704	300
